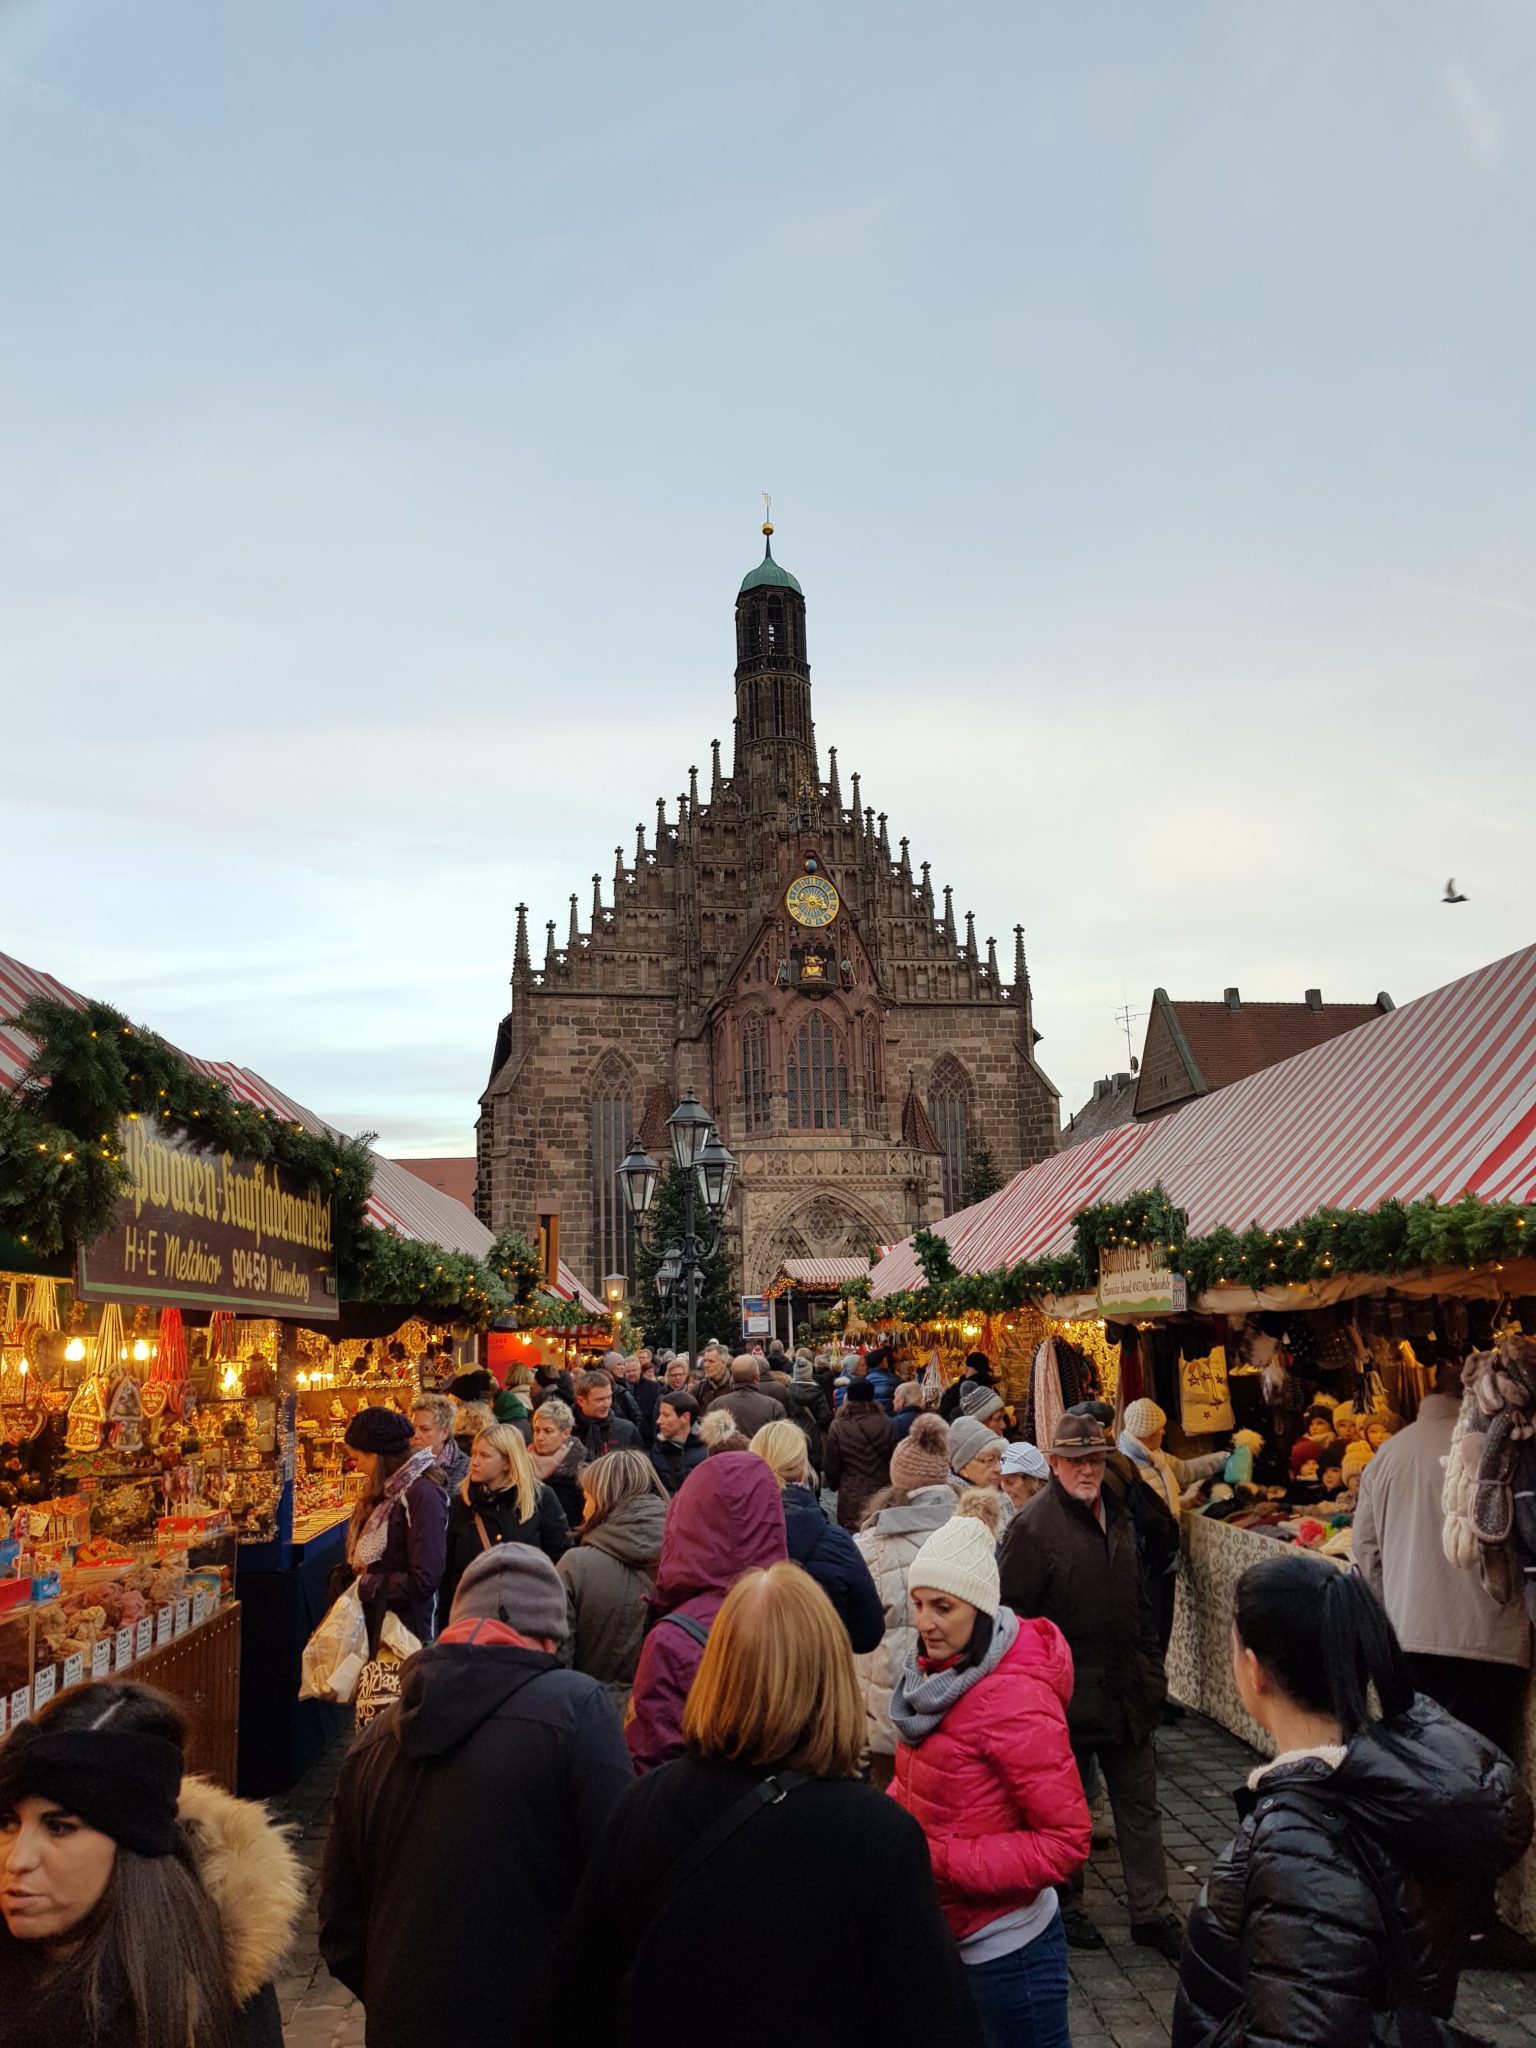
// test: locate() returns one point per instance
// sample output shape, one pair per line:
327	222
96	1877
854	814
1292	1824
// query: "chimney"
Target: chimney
1314	999
1232	999
1384	1002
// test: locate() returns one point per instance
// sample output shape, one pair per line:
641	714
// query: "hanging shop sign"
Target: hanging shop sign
213	1231
1132	1282
756	1316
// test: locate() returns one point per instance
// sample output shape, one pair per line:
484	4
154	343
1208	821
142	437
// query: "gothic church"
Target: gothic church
769	950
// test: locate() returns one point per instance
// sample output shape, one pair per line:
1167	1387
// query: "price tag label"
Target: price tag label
183	1615
44	1686
74	1670
144	1637
21	1705
199	1607
122	1655
101	1657
165	1621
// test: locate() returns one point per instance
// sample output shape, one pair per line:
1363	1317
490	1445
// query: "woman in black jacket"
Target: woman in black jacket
818	1546
500	1502
774	1724
1342	1898
137	1905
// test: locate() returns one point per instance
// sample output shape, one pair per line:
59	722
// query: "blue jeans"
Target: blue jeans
1022	1997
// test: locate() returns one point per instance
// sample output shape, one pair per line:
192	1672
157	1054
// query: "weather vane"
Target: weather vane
767	513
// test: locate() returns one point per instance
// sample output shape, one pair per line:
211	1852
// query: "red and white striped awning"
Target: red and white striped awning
1022	1219
818	1276
1435	1098
399	1201
569	1288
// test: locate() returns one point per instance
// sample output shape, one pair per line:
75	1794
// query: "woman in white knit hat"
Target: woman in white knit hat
984	1764
1141	1439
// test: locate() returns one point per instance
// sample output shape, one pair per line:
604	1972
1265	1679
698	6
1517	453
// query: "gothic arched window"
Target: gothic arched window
948	1099
754	1074
612	1127
816	1074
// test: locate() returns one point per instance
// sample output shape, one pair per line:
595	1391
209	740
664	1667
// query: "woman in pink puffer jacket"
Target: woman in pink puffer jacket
984	1765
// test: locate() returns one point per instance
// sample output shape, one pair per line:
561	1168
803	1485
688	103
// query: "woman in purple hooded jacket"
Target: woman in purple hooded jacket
727	1520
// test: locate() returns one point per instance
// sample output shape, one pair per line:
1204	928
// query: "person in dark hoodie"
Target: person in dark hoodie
819	1547
1341	1900
977	1371
487	1785
725	1521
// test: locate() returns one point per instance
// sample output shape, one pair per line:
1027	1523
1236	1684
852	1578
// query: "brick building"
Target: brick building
766	947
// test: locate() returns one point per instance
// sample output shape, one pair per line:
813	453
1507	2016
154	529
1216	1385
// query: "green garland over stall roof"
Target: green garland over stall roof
1397	1238
62	1169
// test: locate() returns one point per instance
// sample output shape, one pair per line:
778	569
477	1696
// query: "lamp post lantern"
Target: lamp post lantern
708	1172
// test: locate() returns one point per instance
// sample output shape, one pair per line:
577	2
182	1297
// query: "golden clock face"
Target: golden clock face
812	900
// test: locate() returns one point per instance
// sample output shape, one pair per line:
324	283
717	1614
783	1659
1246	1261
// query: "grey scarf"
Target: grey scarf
921	1699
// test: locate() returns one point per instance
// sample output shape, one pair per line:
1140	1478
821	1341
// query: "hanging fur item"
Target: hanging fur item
1497	1422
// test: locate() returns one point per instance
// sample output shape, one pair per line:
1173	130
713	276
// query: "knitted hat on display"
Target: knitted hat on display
378	1431
959	1558
922	1456
1023	1461
968	1438
980	1402
860	1390
1357	1457
514	1583
1144	1418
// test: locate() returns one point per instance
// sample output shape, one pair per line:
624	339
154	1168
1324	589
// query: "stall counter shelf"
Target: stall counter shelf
1214	1556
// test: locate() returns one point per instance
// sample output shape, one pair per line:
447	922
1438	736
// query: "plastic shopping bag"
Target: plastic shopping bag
337	1651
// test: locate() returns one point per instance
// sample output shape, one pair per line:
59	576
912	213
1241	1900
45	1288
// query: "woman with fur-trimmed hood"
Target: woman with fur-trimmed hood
141	1908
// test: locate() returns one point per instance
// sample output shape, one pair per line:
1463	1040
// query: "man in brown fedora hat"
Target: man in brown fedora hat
1070	1556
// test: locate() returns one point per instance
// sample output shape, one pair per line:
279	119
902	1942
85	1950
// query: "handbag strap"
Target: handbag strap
485	1541
770	1792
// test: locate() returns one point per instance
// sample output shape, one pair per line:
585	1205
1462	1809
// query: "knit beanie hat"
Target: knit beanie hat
860	1390
514	1583
959	1558
1357	1457
380	1432
980	1402
968	1438
922	1456
1144	1418
1023	1461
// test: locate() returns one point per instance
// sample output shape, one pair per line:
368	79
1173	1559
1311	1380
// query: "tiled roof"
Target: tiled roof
1226	1044
1112	1103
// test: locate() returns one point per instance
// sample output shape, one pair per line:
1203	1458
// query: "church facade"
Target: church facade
766	947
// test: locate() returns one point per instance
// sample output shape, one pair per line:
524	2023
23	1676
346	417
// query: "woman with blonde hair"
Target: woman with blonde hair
764	1805
612	1569
818	1546
500	1502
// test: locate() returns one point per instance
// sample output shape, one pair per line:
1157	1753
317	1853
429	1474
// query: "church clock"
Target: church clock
812	900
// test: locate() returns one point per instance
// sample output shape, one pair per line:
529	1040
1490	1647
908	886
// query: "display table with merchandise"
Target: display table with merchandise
1214	1556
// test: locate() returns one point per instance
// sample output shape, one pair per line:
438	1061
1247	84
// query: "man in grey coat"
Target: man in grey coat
1465	1651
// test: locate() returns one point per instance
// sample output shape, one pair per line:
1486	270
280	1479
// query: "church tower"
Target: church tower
775	754
766	946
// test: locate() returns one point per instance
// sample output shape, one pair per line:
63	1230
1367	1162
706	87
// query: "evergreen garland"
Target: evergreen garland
62	1170
1398	1237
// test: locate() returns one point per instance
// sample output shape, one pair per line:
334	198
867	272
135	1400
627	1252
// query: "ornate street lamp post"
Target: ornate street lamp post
708	1172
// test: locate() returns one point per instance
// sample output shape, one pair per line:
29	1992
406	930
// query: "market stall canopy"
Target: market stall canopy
817	1276
398	1200
1437	1098
569	1288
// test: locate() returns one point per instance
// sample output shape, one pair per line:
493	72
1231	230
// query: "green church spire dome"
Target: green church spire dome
768	575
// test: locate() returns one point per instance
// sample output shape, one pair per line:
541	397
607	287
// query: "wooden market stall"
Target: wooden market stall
1341	1220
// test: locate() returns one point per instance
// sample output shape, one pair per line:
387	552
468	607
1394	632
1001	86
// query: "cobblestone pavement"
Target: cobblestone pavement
1122	1996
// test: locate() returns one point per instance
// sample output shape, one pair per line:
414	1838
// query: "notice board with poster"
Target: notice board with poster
206	1230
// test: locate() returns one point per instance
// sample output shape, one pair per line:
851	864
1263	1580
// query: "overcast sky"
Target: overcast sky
385	389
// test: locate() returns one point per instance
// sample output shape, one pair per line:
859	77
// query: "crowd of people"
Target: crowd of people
708	1653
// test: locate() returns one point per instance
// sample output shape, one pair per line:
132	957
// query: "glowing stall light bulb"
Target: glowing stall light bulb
230	1380
140	1350
74	1350
25	1367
